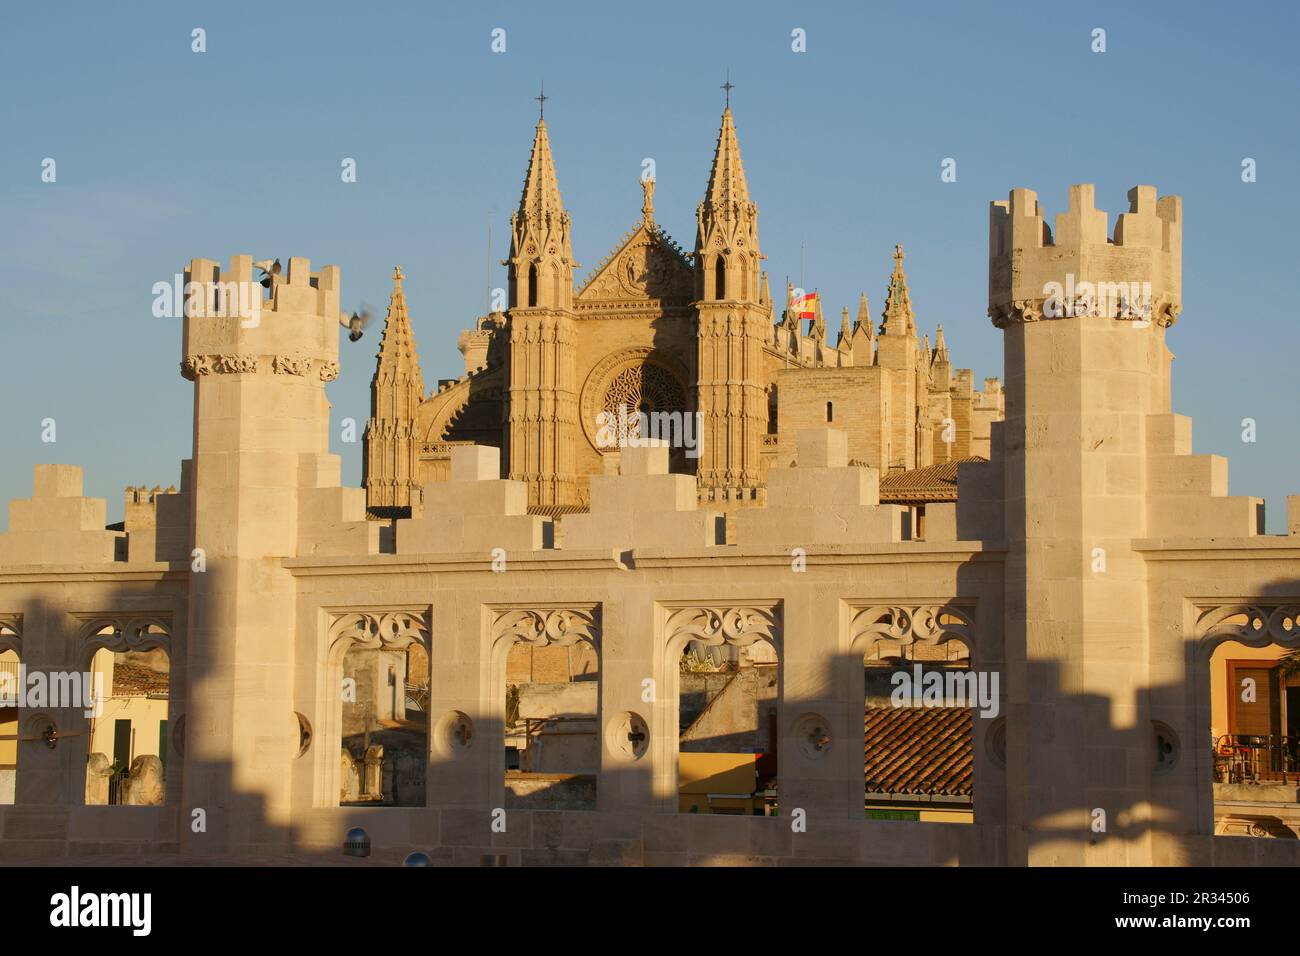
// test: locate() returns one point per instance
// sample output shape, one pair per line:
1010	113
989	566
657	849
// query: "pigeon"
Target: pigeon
355	323
269	271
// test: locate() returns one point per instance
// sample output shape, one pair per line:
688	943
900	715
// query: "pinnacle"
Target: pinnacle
397	345
541	195
727	178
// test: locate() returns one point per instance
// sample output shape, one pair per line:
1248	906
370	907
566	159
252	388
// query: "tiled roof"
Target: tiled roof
132	680
922	485
920	750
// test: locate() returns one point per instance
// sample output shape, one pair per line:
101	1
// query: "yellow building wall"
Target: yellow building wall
700	774
145	714
1231	651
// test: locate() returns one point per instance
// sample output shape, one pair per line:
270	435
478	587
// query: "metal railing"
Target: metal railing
1256	758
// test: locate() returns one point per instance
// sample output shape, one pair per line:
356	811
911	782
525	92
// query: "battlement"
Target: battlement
232	323
1135	274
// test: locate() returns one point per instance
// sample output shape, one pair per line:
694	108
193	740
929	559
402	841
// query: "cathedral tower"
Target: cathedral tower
392	448
541	443
732	328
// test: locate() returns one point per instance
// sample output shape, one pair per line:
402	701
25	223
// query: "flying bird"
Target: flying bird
269	271
355	323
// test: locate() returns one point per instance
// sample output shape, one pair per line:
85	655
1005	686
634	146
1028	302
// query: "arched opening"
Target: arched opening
1255	732
830	411
728	703
9	700
720	278
384	725
128	738
532	286
552	743
919	705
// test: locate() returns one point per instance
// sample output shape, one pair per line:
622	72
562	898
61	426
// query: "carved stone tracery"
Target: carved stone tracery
898	627
739	625
388	629
541	627
1264	623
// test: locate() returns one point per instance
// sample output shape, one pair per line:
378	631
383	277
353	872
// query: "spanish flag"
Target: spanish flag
805	307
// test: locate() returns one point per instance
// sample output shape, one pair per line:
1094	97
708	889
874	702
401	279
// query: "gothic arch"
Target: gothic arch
660	371
11	633
123	632
899	626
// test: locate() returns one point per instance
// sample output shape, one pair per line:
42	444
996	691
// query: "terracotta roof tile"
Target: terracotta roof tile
921	750
921	485
132	680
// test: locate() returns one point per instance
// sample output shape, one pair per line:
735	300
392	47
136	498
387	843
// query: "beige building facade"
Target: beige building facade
1089	562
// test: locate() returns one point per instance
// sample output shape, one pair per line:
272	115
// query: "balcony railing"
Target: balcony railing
1250	758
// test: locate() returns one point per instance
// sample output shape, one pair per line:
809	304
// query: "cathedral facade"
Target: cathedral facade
691	339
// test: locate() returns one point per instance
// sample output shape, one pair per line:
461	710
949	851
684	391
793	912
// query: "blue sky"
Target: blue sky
163	155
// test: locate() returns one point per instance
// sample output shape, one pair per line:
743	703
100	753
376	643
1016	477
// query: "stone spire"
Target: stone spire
846	330
540	199
898	316
864	335
397	354
940	346
727	184
726	238
864	316
391	449
541	255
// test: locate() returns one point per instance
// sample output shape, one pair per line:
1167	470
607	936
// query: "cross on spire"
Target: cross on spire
541	102
727	88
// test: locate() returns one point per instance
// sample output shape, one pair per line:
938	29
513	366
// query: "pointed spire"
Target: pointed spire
940	346
397	354
727	183
864	317
846	330
541	195
765	293
898	316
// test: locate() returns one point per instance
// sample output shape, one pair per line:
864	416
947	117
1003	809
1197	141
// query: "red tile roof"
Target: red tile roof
922	485
920	750
132	680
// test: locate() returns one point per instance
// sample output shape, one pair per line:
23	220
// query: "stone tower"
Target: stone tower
392	449
541	439
732	327
1087	397
261	427
898	351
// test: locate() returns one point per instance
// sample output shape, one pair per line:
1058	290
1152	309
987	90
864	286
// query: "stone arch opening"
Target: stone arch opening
550	692
10	687
380	663
127	698
725	666
920	695
1250	655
